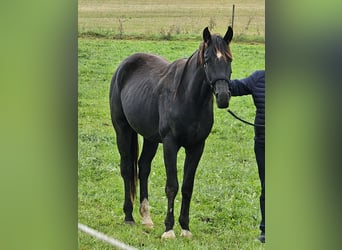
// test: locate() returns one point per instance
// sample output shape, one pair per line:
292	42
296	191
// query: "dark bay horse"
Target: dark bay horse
169	103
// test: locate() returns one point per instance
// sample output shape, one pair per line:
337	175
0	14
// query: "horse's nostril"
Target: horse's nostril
222	100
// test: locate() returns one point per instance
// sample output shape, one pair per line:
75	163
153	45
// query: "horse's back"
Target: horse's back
134	92
139	65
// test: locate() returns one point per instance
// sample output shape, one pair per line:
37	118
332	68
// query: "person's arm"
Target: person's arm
239	87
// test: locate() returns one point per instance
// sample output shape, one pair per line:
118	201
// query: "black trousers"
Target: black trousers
259	149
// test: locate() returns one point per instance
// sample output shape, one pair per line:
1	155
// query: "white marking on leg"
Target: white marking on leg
186	233
169	235
145	213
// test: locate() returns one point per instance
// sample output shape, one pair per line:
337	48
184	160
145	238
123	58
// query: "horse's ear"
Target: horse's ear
229	35
206	35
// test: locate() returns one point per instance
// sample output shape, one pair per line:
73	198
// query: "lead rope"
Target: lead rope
252	124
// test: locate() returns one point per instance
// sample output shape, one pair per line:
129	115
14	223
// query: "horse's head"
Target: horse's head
216	58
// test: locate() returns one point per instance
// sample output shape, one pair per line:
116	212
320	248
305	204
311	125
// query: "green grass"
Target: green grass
224	211
170	20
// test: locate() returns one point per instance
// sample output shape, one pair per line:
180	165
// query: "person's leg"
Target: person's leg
259	149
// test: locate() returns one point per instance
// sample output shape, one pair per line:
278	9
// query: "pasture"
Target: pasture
224	211
176	19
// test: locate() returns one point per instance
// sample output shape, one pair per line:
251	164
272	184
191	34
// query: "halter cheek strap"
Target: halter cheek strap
212	82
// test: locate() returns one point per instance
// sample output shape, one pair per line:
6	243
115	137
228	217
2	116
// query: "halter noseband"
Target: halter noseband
212	82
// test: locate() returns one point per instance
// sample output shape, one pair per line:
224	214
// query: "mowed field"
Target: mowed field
176	18
224	212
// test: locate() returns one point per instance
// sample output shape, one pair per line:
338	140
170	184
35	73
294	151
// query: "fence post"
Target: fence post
233	13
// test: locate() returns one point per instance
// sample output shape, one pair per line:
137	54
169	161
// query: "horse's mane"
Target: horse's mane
180	74
219	45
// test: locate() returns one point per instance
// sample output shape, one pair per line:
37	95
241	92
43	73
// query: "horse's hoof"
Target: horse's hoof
186	233
147	223
129	222
145	213
169	235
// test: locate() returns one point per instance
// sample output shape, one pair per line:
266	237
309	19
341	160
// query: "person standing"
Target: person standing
255	85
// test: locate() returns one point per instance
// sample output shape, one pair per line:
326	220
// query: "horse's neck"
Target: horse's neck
193	83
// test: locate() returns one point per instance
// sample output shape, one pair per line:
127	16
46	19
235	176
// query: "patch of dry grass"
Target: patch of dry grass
177	17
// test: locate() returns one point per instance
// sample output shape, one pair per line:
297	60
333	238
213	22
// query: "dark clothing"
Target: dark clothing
259	150
255	85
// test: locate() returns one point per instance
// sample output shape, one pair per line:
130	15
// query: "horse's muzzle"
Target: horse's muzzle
222	94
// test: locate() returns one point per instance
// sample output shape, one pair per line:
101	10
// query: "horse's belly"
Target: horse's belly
146	127
143	119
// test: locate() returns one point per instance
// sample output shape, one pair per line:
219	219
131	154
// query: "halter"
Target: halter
212	82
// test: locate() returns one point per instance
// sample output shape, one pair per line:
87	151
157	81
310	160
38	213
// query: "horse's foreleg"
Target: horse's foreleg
147	154
171	188
193	156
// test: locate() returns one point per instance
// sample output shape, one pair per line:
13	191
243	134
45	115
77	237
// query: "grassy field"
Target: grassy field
176	19
224	210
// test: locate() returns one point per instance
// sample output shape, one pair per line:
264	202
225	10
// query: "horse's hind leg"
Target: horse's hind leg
147	154
128	149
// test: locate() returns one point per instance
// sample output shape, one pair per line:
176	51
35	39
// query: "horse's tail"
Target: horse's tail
135	154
